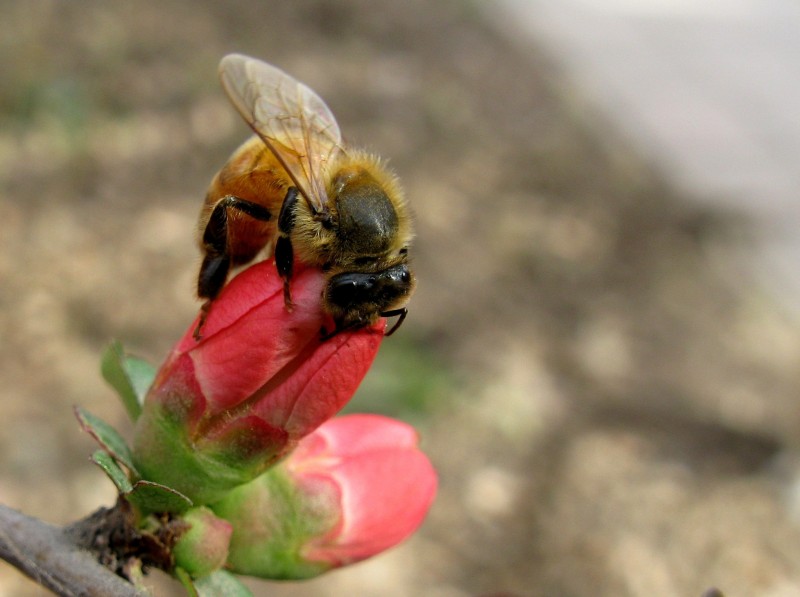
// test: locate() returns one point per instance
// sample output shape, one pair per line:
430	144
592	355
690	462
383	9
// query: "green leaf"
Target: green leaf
110	467
154	497
145	495
105	435
218	583
129	376
141	374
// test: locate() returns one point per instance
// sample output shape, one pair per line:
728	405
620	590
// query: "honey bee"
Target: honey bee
296	190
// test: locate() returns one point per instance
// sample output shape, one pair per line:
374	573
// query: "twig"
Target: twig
46	554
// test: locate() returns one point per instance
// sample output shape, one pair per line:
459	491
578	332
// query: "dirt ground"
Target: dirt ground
610	400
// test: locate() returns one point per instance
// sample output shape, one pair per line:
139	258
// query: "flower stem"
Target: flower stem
50	556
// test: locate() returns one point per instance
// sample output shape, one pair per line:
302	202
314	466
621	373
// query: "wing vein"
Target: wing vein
292	120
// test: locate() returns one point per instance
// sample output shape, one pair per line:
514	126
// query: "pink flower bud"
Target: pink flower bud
223	409
353	488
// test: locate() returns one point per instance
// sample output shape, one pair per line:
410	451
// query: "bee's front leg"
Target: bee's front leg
401	313
284	253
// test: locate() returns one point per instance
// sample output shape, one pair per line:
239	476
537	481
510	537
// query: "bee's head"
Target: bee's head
358	298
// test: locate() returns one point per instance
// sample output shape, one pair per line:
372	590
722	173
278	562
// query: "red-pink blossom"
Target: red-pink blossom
354	488
223	409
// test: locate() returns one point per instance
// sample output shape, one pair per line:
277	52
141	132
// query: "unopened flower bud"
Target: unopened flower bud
204	547
355	487
223	409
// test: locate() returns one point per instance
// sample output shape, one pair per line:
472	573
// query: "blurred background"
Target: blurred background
602	355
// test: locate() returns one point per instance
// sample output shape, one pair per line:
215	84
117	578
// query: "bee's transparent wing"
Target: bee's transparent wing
294	122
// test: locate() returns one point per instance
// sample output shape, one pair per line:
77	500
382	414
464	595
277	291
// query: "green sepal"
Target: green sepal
148	496
217	583
105	435
145	495
272	521
110	467
164	453
129	376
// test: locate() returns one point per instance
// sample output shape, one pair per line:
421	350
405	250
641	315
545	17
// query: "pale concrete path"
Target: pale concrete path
708	89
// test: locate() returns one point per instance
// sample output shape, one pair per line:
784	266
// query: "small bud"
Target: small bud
204	547
355	487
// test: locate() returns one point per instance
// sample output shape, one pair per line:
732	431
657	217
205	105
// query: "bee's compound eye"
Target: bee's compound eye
346	289
342	292
398	274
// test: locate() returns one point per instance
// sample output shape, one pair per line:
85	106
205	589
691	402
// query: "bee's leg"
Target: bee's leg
326	335
338	328
213	272
284	253
401	312
217	260
204	309
358	323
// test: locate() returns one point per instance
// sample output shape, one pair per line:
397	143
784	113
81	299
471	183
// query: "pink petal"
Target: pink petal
177	390
320	381
250	336
385	497
354	434
386	484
